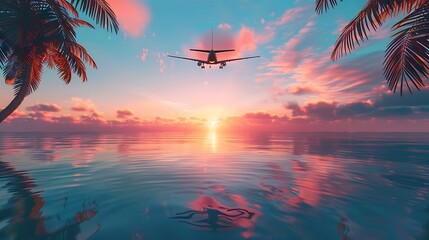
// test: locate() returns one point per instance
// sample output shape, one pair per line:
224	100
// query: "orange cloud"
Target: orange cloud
133	16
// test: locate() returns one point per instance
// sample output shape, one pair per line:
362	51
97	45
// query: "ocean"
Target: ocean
214	186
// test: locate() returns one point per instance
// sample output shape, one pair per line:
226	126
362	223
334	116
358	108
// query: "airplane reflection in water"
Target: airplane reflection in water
207	213
212	58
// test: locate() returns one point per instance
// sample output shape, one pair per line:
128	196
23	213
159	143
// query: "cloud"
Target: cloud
143	56
123	113
296	109
303	68
244	40
348	80
161	62
40	115
302	90
260	118
287	58
292	15
82	105
65	119
133	16
224	26
44	108
387	106
321	110
17	114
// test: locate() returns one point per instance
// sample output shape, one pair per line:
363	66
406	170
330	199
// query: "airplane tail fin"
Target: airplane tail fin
208	51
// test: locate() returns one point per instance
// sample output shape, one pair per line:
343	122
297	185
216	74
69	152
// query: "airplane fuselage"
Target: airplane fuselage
211	58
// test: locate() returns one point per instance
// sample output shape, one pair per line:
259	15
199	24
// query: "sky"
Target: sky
293	86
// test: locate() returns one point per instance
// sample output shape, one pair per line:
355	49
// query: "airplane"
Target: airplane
212	58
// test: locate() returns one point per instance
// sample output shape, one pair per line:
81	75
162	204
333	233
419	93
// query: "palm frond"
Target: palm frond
8	21
407	56
369	19
58	61
75	62
35	75
76	22
58	23
5	51
100	12
69	7
80	51
25	61
11	68
324	5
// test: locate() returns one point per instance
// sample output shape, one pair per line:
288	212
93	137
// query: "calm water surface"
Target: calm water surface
213	186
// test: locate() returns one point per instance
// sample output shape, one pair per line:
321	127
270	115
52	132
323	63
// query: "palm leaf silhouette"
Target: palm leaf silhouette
407	55
100	11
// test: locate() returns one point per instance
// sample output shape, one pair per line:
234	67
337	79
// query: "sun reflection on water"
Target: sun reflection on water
213	141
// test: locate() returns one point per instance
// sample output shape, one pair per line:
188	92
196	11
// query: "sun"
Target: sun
213	124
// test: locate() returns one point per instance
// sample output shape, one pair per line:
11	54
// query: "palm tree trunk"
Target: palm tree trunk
19	96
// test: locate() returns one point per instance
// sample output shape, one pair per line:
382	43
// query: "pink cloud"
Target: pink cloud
82	105
244	41
292	14
40	116
44	108
161	62
133	15
17	114
123	113
143	56
296	89
224	26
297	62
161	65
65	119
289	56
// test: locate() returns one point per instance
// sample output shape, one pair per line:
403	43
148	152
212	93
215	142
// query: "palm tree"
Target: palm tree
38	33
407	55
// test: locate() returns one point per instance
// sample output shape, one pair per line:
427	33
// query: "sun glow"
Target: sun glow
213	124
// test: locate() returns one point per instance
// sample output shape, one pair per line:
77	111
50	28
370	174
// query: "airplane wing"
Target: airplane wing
236	59
191	59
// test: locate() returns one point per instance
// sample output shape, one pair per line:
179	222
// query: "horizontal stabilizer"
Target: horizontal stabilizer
236	59
191	59
219	51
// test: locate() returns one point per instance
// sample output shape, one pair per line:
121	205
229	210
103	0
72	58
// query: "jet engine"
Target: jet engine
199	64
222	64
